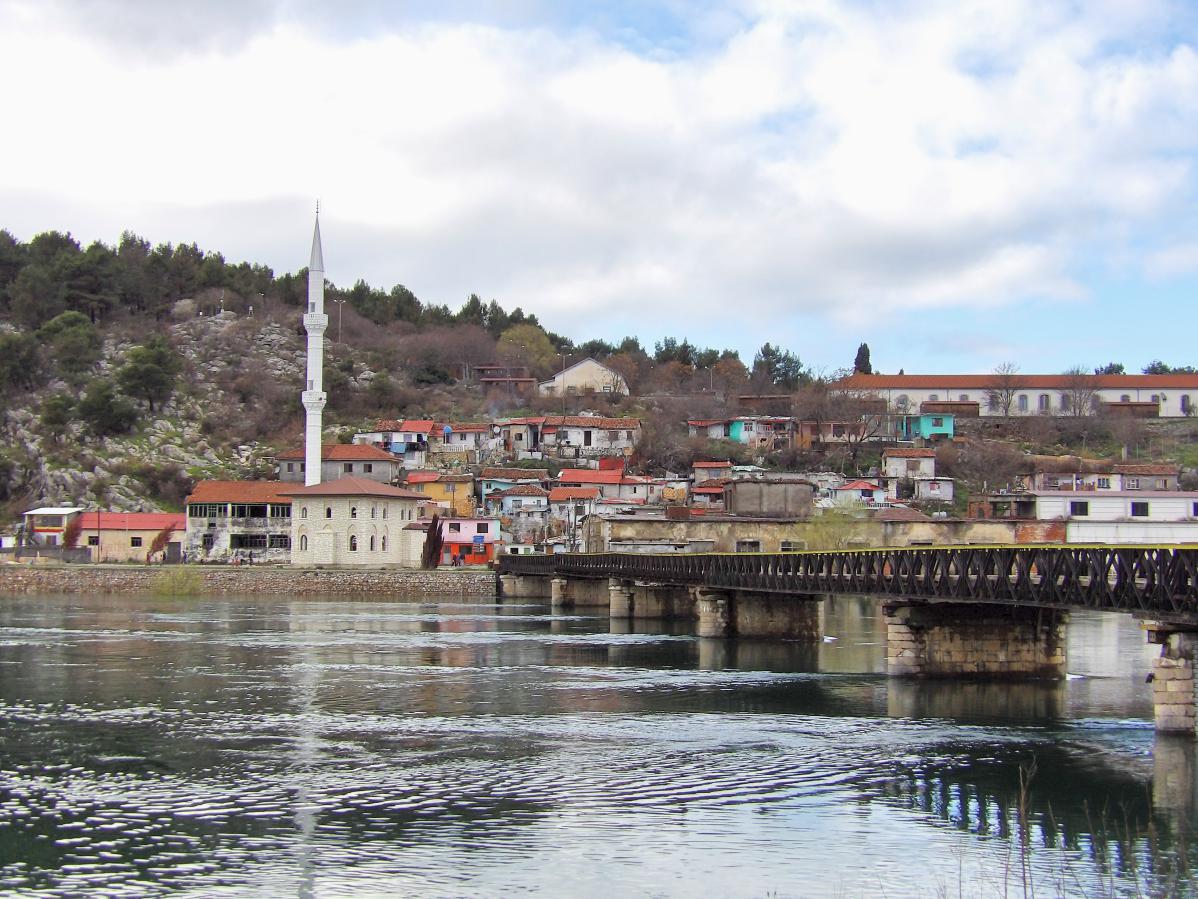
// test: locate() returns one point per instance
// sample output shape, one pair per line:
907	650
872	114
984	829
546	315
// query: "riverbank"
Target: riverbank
224	581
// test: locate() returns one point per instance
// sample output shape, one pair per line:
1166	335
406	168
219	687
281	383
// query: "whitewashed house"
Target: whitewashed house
587	376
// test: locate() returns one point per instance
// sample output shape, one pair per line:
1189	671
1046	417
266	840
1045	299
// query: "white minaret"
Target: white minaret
313	398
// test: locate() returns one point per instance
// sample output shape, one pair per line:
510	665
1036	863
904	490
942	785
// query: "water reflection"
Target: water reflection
267	747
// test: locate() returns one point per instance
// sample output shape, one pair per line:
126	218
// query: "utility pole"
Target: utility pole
340	302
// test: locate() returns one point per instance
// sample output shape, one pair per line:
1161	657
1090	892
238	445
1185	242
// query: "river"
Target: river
274	747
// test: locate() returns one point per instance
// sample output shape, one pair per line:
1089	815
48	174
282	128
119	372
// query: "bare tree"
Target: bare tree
1004	386
1081	392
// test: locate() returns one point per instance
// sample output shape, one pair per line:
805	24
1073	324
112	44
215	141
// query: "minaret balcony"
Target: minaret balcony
313	400
315	322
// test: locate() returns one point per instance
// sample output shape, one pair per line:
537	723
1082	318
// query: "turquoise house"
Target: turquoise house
926	426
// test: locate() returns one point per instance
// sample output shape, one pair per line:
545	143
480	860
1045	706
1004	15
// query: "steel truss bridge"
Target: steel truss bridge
1150	581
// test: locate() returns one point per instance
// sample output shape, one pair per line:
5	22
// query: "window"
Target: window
902	402
1139	510
1186	409
1079	508
1194	510
1131	483
1125	398
353	511
247	541
1045	402
93	540
304	512
1156	398
935	397
328	511
303	543
1022	402
384	513
912	466
937	422
353	543
1161	484
280	510
135	541
481	528
303	466
748	546
279	541
586	437
1104	483
290	467
965	397
792	546
347	467
455	527
384	543
372	542
373	511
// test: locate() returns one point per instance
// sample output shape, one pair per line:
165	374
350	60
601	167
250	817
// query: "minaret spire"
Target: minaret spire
313	396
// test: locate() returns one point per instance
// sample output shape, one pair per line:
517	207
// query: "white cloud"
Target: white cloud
826	158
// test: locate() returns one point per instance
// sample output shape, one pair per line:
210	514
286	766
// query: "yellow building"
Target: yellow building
128	536
453	492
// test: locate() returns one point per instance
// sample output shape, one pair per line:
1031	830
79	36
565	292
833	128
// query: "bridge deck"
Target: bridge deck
1151	581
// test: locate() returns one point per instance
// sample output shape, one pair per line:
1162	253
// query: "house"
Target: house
465	443
349	521
338	460
128	536
408	439
705	471
1139	476
859	491
493	479
710	493
1072	473
587	376
769	497
1174	395
513	379
229	520
1116	516
910	473
766	433
45	526
472	540
526	506
454	493
925	426
612	484
572	504
569	436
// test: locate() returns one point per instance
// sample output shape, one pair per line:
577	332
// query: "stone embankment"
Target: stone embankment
243	581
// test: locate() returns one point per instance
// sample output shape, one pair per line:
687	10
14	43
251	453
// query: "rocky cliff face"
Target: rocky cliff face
235	370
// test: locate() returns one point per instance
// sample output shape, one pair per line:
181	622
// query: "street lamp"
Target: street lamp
562	382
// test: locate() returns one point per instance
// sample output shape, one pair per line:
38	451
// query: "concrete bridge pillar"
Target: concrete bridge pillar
524	586
1173	680
974	640
716	612
741	613
619	598
559	594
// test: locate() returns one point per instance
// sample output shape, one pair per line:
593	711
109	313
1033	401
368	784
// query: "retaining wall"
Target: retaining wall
222	580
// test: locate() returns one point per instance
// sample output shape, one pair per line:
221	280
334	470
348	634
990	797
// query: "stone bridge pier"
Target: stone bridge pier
743	613
1173	677
641	600
974	640
578	593
524	586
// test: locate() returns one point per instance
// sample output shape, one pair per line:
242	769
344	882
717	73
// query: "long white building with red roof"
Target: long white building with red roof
1169	396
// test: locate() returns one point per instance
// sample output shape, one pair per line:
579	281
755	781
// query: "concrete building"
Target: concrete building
45	525
705	471
473	541
910	473
769	498
349	521
1175	396
1126	516
1072	473
338	460
453	493
128	536
407	439
494	479
569	436
587	376
235	520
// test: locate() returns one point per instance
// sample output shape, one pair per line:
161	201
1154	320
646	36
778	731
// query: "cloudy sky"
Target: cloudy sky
959	184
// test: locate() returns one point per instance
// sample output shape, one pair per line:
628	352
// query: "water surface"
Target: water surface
261	746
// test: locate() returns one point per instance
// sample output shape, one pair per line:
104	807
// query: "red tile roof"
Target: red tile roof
1162	470
132	521
909	453
514	474
342	452
422	477
724	464
353	486
592	421
564	494
522	490
589	476
240	492
858	485
414	425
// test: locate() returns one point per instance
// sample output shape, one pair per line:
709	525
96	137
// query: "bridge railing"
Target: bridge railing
1158	581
